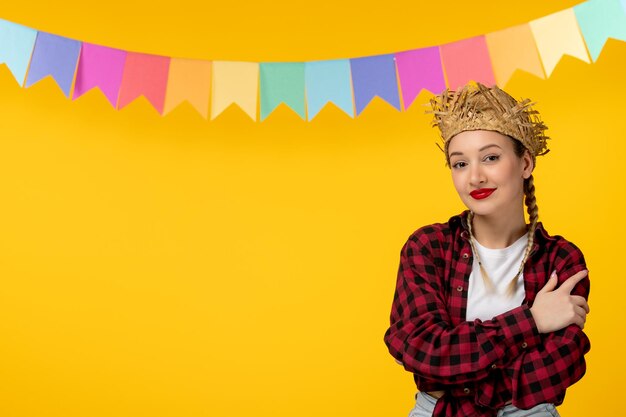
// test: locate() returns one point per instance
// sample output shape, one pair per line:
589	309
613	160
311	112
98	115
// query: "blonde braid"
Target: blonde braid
483	272
533	214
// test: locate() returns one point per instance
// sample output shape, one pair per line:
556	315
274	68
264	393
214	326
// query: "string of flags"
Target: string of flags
306	87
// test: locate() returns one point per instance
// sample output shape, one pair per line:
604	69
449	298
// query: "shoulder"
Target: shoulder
565	257
435	234
556	245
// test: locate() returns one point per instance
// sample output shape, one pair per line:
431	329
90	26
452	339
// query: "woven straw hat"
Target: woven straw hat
478	107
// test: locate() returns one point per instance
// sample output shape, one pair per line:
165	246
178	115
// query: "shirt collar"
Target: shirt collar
460	221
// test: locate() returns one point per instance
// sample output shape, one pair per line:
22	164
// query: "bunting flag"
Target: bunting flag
599	20
282	83
556	35
467	60
234	82
374	76
16	46
55	56
419	69
350	84
144	75
189	79
100	67
328	81
512	49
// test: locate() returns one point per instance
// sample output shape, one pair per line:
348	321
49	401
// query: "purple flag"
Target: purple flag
100	67
374	76
418	69
56	56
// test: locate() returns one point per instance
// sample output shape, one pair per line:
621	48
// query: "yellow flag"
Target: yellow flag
556	35
234	82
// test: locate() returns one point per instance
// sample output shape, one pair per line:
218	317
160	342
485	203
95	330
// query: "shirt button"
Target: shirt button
466	390
494	366
465	255
459	288
524	345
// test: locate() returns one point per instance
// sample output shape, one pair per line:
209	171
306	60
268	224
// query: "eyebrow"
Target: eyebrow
480	150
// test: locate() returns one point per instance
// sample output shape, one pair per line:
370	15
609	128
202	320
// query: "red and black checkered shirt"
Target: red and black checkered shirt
481	364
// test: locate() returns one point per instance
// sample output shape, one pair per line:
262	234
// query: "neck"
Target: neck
499	232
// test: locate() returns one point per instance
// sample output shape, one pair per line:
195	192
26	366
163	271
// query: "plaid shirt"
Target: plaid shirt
481	365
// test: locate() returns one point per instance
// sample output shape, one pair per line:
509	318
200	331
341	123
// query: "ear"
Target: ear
527	164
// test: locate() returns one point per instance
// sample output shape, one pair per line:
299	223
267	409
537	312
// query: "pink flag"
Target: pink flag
466	60
100	67
145	75
418	69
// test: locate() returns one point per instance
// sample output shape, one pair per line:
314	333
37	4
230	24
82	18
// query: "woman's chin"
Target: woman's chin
480	209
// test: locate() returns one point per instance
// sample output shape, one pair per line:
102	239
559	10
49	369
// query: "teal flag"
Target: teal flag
282	82
599	20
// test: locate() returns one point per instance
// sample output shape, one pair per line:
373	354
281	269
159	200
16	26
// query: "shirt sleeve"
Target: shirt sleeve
542	374
421	334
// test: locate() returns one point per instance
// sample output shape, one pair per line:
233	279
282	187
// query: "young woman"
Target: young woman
488	311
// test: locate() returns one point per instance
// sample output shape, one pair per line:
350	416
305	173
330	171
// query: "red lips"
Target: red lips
482	193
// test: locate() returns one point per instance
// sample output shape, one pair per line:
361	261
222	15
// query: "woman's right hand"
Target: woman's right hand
556	309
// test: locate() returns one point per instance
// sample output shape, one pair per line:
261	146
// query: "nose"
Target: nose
477	175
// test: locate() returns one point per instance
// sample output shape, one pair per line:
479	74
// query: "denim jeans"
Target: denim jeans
425	404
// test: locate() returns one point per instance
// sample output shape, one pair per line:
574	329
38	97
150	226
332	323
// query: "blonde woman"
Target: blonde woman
488	311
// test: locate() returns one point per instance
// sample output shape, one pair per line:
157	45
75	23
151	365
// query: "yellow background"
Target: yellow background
173	266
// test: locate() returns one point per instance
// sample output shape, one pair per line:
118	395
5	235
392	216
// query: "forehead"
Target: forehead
474	140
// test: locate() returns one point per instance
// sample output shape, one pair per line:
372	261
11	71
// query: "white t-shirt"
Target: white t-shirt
501	265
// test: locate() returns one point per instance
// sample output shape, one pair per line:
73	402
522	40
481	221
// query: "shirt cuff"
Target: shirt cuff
519	330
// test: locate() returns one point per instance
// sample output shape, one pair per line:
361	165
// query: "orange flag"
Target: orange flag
511	49
189	79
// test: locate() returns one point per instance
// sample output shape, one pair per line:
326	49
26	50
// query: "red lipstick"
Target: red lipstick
482	193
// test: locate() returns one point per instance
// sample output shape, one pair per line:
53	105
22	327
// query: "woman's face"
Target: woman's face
487	173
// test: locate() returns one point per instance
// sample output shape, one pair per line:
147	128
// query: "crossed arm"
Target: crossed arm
422	338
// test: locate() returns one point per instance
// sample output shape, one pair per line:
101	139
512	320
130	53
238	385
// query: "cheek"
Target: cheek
505	174
509	179
457	180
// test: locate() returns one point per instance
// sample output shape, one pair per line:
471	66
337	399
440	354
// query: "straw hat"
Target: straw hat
478	107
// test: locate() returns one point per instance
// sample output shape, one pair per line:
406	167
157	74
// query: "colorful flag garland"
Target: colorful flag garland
306	87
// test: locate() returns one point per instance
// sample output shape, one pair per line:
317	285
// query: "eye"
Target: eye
492	158
458	165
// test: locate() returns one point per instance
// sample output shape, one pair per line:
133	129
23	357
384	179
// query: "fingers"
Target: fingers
571	282
580	318
580	301
581	313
